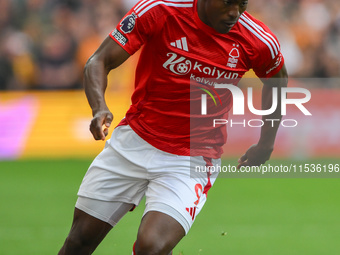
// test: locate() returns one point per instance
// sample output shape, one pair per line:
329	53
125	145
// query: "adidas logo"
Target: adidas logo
181	44
192	212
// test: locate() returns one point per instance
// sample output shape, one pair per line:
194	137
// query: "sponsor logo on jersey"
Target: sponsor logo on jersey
128	23
234	54
178	65
119	37
181	44
181	66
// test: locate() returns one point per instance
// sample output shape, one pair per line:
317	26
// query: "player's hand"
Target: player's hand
255	156
100	124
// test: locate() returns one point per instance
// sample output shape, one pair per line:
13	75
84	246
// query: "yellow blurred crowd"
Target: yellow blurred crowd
44	44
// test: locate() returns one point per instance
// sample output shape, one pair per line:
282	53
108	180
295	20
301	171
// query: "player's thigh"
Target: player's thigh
88	229
158	233
110	212
110	187
112	177
88	226
177	190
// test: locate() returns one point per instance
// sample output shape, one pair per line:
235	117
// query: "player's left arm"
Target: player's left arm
259	153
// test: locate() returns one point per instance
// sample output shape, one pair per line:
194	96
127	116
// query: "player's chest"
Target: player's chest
183	49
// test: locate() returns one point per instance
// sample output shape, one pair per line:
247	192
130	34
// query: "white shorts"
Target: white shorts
129	168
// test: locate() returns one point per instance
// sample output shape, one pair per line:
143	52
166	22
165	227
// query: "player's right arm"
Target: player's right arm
108	56
135	28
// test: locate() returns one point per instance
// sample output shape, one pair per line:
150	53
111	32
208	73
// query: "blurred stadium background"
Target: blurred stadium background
45	145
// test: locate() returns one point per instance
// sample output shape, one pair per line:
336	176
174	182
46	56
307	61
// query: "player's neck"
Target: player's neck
200	11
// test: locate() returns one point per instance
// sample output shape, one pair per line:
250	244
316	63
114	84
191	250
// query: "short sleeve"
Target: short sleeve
136	27
267	59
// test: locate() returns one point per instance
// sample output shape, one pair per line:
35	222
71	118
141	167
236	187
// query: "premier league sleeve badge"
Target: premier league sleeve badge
128	23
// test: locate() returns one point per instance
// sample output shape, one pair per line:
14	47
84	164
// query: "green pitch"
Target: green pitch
242	216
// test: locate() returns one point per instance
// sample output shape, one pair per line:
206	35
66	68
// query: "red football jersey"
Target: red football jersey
182	58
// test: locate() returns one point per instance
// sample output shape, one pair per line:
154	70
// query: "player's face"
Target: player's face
221	14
